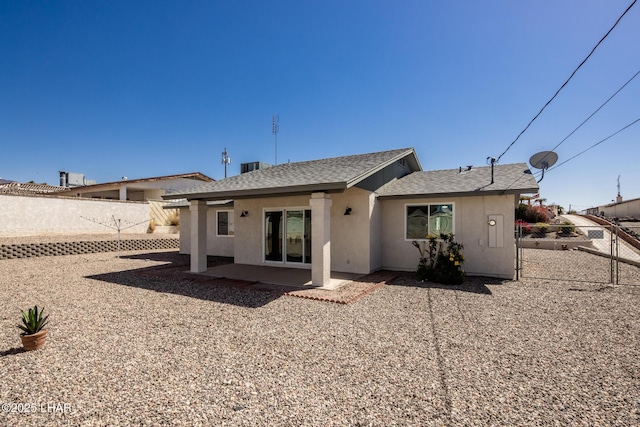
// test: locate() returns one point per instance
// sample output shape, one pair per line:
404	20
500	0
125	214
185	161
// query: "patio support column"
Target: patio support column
123	192
320	239
198	209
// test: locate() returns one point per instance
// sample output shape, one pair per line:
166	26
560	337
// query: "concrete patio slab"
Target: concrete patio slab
273	275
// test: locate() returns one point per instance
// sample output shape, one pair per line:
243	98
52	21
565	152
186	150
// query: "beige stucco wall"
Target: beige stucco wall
216	245
622	210
350	234
372	237
471	228
40	215
185	232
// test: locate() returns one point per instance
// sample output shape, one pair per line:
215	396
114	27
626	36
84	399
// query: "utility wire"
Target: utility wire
585	150
584	121
596	144
567	81
598	109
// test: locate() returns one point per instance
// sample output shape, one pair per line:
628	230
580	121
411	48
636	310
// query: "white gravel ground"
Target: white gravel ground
128	349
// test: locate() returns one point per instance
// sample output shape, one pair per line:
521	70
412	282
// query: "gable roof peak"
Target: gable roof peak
328	174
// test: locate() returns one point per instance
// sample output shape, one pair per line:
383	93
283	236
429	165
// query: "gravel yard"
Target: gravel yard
138	350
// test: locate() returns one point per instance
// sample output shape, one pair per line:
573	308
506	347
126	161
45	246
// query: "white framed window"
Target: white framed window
424	220
224	223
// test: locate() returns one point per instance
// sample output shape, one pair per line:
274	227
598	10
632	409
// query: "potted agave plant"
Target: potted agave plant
33	322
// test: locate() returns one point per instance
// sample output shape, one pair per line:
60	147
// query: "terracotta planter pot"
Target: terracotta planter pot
34	341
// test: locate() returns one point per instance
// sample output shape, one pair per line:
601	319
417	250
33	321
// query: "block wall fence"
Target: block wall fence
45	215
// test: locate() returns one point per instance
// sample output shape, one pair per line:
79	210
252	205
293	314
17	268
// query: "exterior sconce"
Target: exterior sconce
348	211
244	214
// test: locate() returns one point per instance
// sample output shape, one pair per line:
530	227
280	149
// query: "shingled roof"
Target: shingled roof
333	174
513	178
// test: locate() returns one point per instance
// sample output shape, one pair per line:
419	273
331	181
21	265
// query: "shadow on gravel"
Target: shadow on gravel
473	284
172	278
174	258
12	351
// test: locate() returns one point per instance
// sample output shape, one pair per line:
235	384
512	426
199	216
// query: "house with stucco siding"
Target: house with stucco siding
355	214
139	190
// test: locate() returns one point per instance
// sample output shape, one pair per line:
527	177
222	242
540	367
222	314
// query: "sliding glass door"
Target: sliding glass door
288	236
273	236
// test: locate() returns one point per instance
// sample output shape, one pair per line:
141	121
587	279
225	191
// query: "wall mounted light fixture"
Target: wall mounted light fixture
244	214
348	211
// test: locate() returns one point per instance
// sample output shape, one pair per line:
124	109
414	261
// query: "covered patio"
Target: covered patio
294	277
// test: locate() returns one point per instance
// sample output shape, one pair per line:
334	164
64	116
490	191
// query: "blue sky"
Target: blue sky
149	88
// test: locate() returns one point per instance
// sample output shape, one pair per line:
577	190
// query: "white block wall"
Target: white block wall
43	215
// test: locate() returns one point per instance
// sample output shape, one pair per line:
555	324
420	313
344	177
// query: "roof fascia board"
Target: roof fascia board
186	204
262	192
461	194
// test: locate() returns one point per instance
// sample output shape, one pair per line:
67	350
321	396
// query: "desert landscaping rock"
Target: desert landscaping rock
133	349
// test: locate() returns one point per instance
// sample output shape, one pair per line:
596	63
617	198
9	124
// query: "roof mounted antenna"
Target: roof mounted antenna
275	126
491	161
543	161
225	160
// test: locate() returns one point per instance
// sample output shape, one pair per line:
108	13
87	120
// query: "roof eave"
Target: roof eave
515	191
196	176
185	204
261	192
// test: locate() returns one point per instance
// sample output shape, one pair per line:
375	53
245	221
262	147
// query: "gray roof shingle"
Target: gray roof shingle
513	178
336	173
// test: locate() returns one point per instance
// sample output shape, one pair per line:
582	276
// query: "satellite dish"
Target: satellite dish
543	160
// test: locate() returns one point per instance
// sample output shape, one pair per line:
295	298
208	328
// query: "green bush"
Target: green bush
541	228
567	228
443	261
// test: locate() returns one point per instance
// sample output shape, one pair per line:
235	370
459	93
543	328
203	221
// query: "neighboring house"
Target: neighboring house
355	214
140	189
619	209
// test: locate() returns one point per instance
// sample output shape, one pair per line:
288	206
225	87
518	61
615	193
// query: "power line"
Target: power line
596	144
598	109
585	120
567	81
589	148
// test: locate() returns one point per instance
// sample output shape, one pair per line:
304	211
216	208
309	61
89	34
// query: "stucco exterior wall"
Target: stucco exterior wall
350	234
40	215
216	245
471	228
185	232
375	231
621	210
373	235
